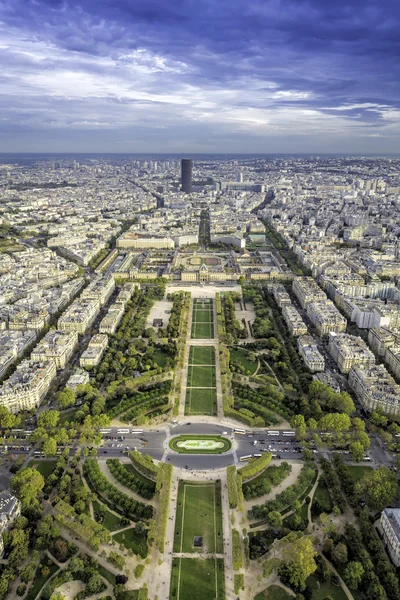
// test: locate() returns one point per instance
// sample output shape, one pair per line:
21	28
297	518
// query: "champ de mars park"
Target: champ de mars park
211	475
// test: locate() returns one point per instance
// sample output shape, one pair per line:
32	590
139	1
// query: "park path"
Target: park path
184	370
288	481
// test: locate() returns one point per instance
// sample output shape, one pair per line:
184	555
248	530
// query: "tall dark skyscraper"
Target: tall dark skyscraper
187	167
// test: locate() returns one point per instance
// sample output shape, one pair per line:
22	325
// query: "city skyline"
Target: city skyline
191	78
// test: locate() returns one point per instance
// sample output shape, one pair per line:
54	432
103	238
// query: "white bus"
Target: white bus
137	430
241	431
244	458
257	455
272	432
122	430
105	430
288	433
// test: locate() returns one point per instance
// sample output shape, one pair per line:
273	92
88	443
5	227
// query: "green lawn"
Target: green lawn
202	331
274	592
160	358
131	539
241	356
202	355
203	315
323	590
200	376
198	513
138	475
111	521
68	416
358	473
40	580
45	467
197	579
322	494
197	448
201	401
106	574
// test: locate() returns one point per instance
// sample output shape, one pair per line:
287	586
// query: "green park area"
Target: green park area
201	393
357	472
198	518
202	319
131	539
241	357
197	579
45	467
274	592
194	444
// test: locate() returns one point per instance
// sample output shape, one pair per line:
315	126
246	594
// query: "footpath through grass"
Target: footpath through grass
197	579
199	515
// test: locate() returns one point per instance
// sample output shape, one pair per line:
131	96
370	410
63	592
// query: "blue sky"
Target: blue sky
240	76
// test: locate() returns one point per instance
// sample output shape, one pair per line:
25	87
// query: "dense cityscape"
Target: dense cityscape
199	377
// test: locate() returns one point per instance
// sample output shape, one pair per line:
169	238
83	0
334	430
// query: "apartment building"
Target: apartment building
307	290
325	317
57	345
10	509
348	351
80	315
28	385
387	315
80	377
310	354
112	319
390	523
280	295
131	239
381	338
100	289
93	353
375	388
293	320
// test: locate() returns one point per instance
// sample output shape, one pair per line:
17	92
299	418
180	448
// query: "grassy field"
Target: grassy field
201	376
160	358
274	592
106	574
202	355
200	401
202	319
40	579
358	473
198	513
138	475
45	467
111	521
197	579
241	356
322	494
131	539
320	591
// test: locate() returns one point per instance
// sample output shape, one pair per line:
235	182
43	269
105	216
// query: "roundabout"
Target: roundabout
200	444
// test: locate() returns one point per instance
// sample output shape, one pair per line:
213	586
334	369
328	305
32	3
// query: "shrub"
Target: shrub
237	554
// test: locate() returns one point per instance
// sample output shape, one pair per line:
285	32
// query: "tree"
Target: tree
7	419
48	418
50	447
299	561
274	518
335	422
299	424
61	550
353	574
66	398
27	484
95	584
57	596
339	554
379	487
357	451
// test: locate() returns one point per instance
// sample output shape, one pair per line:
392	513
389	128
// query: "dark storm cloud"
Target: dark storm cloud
245	70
